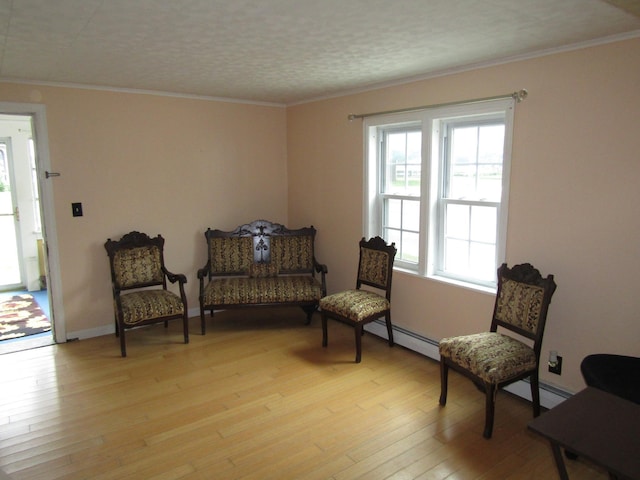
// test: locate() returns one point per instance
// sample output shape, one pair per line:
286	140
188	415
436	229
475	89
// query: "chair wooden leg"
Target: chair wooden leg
309	312
123	346
535	394
202	322
491	391
444	377
389	328
359	332
325	335
185	327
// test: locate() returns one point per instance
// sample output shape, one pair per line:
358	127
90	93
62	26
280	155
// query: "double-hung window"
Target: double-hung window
437	182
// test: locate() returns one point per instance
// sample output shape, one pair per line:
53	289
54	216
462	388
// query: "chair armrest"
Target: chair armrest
118	303
116	295
202	274
181	279
204	271
321	268
175	277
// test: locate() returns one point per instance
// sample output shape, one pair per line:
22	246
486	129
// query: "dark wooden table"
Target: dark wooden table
598	426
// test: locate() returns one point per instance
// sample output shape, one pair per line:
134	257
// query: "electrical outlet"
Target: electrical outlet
556	367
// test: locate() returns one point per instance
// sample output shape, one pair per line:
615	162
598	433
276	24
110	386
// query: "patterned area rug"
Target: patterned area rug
20	316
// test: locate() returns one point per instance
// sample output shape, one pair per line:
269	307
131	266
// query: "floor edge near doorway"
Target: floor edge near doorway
14	345
37	340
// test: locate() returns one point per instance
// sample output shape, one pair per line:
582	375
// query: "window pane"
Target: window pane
464	145
470	241
461	181
396	160
457	221
483	224
402	159
393	236
456	256
393	213
475	167
482	262
397	145
411	215
491	145
462	165
489	186
409	247
402	226
414	146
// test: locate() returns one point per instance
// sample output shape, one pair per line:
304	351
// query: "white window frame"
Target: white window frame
431	212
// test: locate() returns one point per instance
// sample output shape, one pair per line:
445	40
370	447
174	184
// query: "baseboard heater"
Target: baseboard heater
550	396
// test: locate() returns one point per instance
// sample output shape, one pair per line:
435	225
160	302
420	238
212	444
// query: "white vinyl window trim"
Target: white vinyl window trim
432	203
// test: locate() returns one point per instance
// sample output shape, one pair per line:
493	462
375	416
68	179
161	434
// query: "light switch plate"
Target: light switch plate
76	209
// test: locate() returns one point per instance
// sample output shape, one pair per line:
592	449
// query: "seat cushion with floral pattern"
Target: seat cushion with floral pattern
494	357
262	290
356	305
148	304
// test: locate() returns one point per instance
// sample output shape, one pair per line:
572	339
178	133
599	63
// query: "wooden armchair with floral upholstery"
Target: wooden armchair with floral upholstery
139	284
360	306
493	360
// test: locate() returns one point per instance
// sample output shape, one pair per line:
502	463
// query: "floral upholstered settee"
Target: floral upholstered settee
261	264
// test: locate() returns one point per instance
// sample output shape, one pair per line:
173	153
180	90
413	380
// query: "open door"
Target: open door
36	264
11	266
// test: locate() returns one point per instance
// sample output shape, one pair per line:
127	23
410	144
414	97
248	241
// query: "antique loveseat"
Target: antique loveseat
261	264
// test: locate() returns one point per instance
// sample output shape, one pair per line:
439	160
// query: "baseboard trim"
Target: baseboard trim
111	329
550	396
91	332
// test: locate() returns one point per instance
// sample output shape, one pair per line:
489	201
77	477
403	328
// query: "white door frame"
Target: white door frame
43	165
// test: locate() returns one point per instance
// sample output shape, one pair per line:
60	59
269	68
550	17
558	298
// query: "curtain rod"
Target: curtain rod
518	96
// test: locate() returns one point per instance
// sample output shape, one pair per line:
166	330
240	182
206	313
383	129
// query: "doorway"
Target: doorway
28	266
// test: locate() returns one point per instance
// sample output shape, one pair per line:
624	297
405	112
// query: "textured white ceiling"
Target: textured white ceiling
285	51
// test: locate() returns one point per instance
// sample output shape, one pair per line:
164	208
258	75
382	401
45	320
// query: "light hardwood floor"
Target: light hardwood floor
256	398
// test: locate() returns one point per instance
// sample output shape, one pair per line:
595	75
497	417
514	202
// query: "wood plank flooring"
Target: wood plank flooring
257	397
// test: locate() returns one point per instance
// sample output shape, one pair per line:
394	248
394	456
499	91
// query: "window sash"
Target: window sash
401	224
473	151
401	160
467	251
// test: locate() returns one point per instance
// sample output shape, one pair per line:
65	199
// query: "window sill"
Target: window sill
449	281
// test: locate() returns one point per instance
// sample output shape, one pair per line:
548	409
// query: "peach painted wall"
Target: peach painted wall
573	210
161	165
573	204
